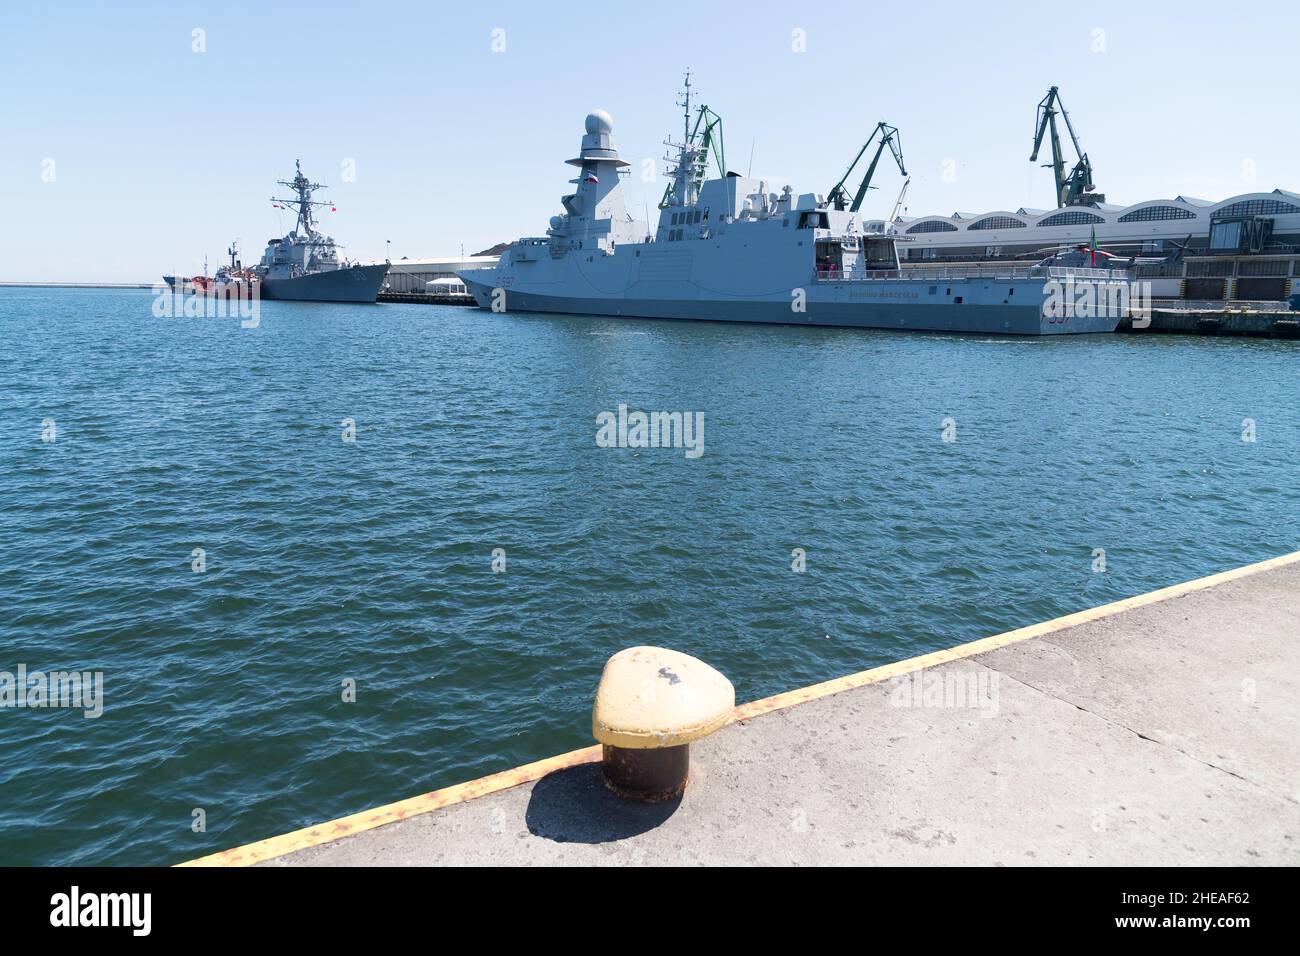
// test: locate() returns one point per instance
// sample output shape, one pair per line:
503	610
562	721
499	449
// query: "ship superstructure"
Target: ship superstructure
304	264
732	249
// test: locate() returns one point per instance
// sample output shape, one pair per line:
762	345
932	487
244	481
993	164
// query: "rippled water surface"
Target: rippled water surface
371	561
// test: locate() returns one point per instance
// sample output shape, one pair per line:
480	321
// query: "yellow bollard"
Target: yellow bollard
651	703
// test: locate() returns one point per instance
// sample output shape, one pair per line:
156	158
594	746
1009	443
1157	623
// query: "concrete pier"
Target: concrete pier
1271	320
1159	730
428	298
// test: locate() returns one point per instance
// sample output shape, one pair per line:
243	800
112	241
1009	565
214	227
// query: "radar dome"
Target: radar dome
598	121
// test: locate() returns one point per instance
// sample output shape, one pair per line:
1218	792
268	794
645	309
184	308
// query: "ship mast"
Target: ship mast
686	110
687	170
304	188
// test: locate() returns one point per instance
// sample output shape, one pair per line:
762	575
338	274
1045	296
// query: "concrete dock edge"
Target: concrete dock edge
324	833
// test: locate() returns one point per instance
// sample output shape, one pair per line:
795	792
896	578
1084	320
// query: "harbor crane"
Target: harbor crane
898	203
889	136
1076	189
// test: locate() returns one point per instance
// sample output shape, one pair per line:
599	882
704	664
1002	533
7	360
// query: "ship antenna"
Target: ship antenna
686	109
304	188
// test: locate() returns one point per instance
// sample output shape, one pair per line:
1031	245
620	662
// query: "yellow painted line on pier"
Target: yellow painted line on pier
414	806
435	800
877	674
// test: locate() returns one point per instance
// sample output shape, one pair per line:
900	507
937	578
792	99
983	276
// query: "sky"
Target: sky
138	138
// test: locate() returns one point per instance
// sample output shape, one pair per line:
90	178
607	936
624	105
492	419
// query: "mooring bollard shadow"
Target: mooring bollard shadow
574	806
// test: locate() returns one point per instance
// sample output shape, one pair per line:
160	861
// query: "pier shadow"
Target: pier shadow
573	806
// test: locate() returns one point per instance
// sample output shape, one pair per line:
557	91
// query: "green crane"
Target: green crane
890	137
1077	188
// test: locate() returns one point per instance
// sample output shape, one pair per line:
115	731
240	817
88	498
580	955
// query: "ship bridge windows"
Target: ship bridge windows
997	222
1157	213
932	225
1071	217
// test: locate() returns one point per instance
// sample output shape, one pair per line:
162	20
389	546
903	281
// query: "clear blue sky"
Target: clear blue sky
162	154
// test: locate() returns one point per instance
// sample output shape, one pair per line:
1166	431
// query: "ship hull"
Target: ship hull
212	287
844	305
355	284
765	272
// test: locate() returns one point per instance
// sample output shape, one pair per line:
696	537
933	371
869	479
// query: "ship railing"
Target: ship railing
1077	272
998	271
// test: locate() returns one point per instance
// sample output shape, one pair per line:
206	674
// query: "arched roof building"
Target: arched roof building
1148	227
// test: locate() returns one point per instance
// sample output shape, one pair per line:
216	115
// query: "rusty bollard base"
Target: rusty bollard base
647	775
651	703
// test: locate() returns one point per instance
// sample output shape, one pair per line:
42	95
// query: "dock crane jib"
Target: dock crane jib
898	204
1076	189
889	136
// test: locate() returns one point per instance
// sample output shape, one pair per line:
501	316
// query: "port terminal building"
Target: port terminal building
1246	247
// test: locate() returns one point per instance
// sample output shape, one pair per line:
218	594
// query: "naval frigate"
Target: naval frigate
303	265
727	249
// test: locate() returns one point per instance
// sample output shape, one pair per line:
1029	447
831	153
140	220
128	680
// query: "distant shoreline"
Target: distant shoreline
77	285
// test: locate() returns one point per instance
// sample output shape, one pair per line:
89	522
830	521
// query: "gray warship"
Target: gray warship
728	249
303	265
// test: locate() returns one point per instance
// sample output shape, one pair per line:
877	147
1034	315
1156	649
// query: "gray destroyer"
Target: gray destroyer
303	265
726	249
